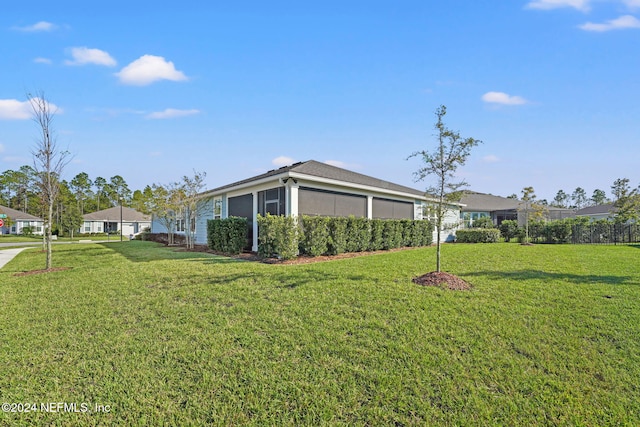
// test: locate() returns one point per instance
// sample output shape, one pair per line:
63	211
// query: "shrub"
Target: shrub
391	234
277	236
557	231
358	234
228	235
478	235
484	222
314	239
509	229
337	236
377	242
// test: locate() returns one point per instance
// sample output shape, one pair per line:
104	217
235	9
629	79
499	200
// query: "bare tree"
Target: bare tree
450	153
48	160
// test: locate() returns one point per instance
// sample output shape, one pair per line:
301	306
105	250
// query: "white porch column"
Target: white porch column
254	247
370	207
292	202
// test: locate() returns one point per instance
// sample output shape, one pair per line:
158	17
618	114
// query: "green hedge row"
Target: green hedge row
227	235
317	235
478	235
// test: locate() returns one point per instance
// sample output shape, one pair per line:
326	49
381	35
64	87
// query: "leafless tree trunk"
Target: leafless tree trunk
48	161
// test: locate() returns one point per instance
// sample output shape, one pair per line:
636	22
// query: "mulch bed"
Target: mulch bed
250	256
443	280
46	270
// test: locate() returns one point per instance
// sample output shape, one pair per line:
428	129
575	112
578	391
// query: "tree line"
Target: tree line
579	198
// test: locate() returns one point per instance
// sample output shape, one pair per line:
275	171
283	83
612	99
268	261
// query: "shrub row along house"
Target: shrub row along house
311	188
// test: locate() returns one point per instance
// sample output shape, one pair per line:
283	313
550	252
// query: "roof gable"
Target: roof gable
14	214
113	215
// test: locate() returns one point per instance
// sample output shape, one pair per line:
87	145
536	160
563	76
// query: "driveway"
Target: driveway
7	255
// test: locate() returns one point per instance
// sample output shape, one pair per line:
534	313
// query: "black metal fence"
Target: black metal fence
605	234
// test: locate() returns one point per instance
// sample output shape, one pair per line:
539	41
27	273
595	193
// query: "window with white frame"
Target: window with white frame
217	208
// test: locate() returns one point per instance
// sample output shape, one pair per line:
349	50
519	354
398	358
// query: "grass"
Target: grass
548	336
13	238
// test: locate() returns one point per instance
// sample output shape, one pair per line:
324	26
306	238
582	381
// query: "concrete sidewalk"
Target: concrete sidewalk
7	255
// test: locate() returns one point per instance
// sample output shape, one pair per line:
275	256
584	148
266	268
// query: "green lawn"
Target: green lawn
549	335
12	238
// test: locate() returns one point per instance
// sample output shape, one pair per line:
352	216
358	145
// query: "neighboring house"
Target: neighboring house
17	220
310	188
479	205
109	220
606	211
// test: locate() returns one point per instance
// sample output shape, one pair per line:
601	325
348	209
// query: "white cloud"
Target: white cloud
171	113
12	109
282	161
491	158
632	4
84	55
503	98
623	22
582	5
37	27
149	69
41	60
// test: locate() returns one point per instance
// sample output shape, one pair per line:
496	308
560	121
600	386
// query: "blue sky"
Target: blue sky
153	92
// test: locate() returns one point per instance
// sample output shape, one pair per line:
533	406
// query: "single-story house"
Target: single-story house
605	211
311	188
16	220
109	220
480	205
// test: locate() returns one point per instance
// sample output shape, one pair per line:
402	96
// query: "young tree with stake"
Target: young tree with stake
48	162
450	153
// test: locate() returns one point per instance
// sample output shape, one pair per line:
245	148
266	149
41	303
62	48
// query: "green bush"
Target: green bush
484	222
278	236
358	234
391	234
314	239
227	235
377	242
558	231
478	235
337	236
509	229
284	237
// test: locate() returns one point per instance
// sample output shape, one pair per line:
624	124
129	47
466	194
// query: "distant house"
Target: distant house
16	221
605	211
480	205
310	188
109	220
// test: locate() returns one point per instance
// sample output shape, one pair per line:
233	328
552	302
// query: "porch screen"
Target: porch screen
242	206
312	201
392	209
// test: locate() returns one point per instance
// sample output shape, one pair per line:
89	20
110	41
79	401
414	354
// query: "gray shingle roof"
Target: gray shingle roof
597	210
113	215
16	215
479	202
322	170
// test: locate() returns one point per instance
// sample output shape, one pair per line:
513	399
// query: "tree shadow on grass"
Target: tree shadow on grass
580	279
144	254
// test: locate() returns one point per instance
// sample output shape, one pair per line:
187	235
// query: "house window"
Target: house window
180	226
217	208
469	217
271	201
